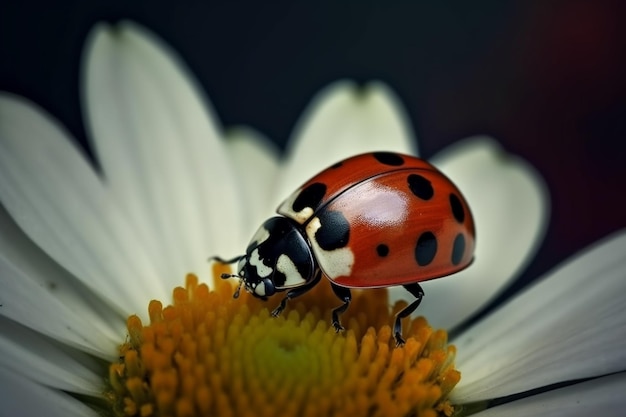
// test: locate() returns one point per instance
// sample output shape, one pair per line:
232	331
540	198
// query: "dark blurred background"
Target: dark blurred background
546	78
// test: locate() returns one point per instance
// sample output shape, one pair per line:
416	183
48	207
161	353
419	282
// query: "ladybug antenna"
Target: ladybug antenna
236	294
226	276
238	290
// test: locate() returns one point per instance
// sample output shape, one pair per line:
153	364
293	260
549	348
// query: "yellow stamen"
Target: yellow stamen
210	355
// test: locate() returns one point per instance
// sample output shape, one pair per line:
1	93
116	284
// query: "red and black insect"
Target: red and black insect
374	220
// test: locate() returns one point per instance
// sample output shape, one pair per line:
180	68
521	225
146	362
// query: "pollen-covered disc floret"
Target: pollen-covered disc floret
210	355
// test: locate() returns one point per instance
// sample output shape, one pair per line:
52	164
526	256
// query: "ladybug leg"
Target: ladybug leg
418	292
344	295
225	261
296	292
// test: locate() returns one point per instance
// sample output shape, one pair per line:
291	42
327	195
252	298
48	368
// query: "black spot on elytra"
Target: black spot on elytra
389	158
458	248
334	231
457	208
311	197
420	186
336	165
382	250
426	248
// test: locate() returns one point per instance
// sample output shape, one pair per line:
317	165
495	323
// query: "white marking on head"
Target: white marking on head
262	270
286	209
259	289
293	278
335	263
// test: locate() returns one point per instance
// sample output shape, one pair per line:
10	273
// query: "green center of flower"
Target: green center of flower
210	355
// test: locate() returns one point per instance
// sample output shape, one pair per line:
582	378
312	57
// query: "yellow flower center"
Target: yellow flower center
210	355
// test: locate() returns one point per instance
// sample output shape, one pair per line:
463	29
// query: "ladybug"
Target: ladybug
373	220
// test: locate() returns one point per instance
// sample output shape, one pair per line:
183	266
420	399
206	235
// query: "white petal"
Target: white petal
568	326
598	397
510	205
32	355
161	149
344	120
256	162
20	396
50	190
37	293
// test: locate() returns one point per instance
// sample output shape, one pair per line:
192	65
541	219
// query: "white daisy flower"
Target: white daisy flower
83	252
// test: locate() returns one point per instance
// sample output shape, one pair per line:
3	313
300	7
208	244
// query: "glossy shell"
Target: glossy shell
384	219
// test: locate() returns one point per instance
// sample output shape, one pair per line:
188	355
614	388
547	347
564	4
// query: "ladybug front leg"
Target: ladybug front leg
296	292
225	261
418	292
344	295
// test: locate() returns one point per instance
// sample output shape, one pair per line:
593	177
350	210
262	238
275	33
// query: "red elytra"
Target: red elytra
389	201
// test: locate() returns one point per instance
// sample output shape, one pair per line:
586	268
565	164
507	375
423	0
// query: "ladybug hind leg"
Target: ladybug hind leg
296	292
344	295
418	293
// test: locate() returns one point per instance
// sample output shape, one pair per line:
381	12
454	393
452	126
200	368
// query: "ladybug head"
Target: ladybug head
261	287
278	257
256	281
